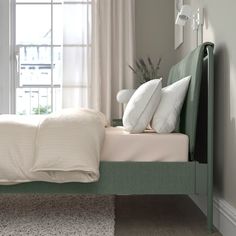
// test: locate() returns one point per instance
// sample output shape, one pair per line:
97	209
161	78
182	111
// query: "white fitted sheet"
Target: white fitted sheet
121	146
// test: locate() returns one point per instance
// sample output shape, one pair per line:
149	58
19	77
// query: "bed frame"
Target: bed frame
139	178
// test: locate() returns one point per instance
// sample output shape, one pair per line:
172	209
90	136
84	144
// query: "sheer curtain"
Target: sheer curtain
98	47
77	30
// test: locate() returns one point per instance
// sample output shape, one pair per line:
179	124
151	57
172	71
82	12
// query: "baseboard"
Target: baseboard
224	214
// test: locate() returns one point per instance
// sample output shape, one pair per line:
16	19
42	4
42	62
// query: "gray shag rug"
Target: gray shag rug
45	215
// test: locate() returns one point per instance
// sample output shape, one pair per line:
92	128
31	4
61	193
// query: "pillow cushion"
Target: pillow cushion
167	114
141	106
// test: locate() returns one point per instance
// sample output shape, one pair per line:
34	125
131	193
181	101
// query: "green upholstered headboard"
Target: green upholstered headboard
192	65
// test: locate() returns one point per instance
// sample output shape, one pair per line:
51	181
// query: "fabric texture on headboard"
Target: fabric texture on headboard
192	65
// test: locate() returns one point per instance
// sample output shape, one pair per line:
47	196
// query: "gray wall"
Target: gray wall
4	56
152	39
220	29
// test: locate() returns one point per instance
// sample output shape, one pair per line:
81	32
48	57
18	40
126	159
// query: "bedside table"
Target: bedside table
116	122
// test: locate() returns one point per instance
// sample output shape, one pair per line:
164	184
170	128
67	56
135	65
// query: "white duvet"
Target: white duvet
63	147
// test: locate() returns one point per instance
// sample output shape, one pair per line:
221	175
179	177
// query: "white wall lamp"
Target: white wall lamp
186	13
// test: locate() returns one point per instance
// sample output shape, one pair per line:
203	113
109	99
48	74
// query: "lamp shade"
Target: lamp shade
184	15
123	96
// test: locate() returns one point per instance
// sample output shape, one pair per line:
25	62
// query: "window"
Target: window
53	41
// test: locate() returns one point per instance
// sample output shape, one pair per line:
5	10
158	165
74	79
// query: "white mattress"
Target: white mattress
121	146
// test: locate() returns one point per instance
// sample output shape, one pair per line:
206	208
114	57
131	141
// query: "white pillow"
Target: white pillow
168	111
141	106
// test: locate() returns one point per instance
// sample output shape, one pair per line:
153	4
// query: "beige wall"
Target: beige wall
152	39
219	28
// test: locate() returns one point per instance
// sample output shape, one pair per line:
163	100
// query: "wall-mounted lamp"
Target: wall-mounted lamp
184	14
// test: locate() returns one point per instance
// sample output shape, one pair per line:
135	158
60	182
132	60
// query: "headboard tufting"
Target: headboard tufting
192	65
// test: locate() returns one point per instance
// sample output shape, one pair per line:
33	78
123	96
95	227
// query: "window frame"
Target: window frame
15	80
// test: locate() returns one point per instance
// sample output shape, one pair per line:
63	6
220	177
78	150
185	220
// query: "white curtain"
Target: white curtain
77	30
112	52
93	75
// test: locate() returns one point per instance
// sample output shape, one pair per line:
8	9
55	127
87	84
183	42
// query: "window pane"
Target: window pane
76	30
57	99
57	65
45	1
33	101
75	66
71	26
33	1
57	24
35	63
33	24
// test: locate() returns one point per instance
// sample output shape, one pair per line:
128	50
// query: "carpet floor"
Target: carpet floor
45	215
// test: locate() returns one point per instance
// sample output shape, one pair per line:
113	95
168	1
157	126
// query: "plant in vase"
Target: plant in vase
146	70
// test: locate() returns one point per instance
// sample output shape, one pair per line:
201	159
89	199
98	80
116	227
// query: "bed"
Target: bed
189	172
145	147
